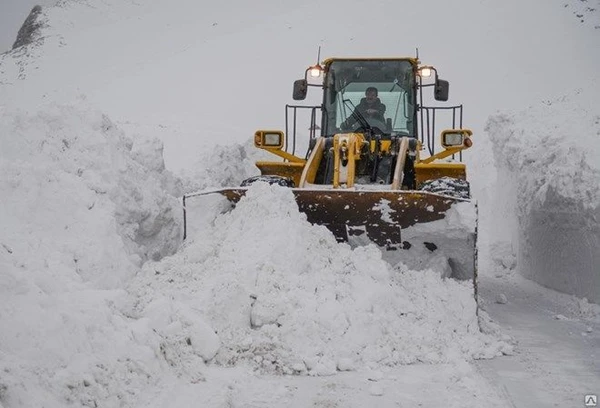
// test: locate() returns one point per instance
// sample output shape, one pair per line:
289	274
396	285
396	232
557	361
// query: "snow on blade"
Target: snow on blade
285	297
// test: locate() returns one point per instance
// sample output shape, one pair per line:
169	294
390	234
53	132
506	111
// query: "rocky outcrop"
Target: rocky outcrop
30	30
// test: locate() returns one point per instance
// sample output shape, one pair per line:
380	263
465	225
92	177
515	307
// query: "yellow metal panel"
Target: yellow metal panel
412	60
292	170
346	149
431	171
384	145
312	165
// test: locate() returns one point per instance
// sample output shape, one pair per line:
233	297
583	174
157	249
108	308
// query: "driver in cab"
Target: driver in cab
370	107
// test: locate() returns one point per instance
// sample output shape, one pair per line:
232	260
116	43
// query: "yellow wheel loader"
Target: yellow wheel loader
372	171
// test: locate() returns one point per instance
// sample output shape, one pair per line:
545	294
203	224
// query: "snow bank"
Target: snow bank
550	154
284	296
77	161
224	166
81	206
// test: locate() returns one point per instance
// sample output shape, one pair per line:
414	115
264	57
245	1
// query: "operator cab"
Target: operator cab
345	85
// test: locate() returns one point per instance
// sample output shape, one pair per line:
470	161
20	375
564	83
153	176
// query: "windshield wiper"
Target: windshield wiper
359	116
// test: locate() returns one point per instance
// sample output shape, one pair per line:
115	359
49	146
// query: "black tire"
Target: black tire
282	181
448	186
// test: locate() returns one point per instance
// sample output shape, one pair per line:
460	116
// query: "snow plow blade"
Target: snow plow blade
413	227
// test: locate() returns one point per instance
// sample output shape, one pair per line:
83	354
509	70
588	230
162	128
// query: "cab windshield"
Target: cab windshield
346	84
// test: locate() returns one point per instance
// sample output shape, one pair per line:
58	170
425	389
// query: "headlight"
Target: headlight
456	138
453	139
425	72
315	71
272	139
268	138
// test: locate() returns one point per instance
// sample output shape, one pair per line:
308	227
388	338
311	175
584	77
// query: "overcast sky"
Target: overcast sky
12	15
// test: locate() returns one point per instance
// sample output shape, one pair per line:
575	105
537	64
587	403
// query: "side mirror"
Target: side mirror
300	90
457	138
441	90
268	139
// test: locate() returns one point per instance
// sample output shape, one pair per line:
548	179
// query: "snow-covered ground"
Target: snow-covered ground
102	306
558	344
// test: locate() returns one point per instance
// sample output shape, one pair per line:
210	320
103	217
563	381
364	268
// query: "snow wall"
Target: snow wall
548	163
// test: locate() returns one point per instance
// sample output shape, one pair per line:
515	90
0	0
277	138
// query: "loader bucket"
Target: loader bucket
413	227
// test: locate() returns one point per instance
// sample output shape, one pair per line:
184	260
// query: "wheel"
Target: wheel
448	186
282	181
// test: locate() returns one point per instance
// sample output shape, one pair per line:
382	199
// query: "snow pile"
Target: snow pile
75	194
285	297
503	258
454	237
448	186
550	154
584	309
224	166
85	165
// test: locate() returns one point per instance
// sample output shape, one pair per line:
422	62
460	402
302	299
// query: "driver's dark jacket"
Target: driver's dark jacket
362	109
